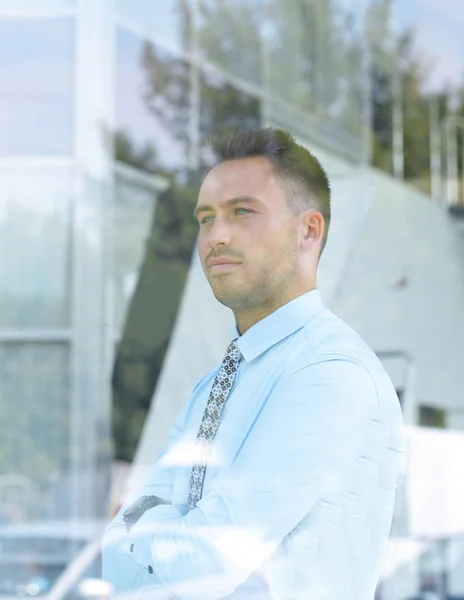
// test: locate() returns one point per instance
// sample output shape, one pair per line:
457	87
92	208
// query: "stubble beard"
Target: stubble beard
266	288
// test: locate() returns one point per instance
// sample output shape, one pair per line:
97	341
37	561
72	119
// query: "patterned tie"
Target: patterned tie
222	385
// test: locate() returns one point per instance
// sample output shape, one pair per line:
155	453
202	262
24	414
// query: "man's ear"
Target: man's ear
314	226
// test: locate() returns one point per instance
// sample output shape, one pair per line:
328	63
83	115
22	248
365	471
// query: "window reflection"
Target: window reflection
154	235
37	374
168	21
156	280
152	106
314	62
36	63
223	106
132	215
292	50
229	35
35	212
153	118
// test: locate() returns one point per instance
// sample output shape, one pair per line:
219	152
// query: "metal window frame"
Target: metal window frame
93	118
37	162
34	336
151	181
137	178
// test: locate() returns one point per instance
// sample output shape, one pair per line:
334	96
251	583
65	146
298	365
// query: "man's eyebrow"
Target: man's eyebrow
231	202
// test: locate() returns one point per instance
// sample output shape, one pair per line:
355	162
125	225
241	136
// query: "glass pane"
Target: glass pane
344	49
152	106
230	35
131	224
314	61
223	106
35	214
168	22
33	482
291	36
36	63
152	253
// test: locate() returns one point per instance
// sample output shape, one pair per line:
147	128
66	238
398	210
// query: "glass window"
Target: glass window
314	61
152	106
230	35
131	224
291	36
36	377
152	253
344	53
36	63
168	22
35	213
223	106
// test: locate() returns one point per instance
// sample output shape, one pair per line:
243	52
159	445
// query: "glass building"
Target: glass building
103	108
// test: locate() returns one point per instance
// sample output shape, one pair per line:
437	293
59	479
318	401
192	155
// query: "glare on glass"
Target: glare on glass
36	86
166	21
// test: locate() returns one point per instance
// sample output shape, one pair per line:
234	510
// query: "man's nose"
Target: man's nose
219	233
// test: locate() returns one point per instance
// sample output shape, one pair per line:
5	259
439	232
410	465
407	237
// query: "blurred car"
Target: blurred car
56	560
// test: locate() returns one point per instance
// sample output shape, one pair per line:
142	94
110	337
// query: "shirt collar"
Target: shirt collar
278	325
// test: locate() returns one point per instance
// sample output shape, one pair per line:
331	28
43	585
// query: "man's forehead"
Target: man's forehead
240	174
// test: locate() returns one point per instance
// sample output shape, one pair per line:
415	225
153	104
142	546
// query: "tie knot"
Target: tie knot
233	352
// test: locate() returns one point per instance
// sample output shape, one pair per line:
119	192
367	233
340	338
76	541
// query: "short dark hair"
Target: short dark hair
300	173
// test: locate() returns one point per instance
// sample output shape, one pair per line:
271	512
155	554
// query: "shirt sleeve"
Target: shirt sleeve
160	479
299	446
118	566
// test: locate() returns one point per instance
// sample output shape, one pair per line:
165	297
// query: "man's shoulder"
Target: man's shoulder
330	338
328	335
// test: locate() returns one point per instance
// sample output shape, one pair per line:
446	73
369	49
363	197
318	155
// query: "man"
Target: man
292	447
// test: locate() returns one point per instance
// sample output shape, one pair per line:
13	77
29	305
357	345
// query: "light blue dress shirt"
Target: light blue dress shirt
300	485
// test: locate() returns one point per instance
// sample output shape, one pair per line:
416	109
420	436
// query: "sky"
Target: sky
440	35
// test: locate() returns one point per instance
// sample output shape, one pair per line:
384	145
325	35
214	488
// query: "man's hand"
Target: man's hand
132	514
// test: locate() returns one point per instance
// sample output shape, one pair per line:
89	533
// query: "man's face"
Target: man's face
255	229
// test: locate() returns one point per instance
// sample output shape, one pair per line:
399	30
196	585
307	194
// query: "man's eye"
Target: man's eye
237	209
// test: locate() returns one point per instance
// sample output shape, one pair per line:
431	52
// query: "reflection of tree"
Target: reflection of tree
125	151
225	107
153	309
167	96
412	70
315	58
229	33
152	314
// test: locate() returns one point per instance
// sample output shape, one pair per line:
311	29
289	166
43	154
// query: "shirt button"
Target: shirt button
150	569
131	547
